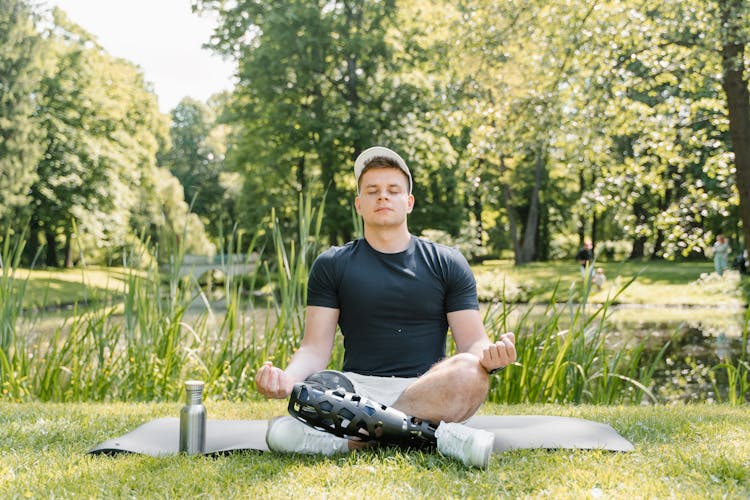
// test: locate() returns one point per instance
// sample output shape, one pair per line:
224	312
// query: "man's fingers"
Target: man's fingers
494	353
508	340
264	372
510	352
501	353
268	380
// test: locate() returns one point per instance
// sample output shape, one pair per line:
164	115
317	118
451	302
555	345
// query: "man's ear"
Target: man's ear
410	205
356	204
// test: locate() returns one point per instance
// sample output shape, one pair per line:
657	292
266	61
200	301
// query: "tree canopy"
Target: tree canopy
528	126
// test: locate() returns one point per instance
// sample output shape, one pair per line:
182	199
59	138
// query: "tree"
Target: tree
316	86
513	61
102	131
20	71
196	158
734	17
671	182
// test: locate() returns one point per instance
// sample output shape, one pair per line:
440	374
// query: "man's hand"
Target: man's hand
500	354
273	382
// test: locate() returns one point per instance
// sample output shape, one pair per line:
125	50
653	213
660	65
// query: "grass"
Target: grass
60	287
656	283
699	451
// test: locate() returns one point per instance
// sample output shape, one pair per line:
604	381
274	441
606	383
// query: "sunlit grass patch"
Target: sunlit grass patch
685	451
55	287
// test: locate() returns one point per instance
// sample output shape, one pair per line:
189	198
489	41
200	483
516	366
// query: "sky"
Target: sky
163	37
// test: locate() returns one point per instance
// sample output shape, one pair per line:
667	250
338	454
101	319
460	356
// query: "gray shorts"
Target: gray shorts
384	390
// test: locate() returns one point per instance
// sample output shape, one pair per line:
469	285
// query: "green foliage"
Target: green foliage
466	242
573	365
535	123
102	130
14	364
196	159
736	371
318	83
20	67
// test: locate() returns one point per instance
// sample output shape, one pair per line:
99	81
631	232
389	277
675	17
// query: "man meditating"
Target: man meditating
394	296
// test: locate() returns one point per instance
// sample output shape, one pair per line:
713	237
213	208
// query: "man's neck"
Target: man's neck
388	240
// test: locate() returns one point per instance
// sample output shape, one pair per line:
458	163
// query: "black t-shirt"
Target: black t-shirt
584	255
392	306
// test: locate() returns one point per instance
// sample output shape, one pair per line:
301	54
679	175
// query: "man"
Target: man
585	256
394	296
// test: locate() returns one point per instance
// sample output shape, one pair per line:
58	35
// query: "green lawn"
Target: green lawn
656	283
700	451
57	287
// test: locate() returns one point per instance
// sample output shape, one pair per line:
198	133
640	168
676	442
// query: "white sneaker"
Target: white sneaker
470	446
289	435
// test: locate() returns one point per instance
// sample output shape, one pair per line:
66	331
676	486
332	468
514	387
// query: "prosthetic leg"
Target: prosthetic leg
337	410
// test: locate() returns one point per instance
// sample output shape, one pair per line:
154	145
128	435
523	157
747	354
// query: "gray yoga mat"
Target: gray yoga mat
161	437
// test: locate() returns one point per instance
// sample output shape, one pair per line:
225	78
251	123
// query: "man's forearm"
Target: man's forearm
304	363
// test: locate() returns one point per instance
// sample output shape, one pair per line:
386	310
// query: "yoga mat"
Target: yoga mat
161	437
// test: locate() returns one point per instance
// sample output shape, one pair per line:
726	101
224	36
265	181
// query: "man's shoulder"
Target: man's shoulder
335	252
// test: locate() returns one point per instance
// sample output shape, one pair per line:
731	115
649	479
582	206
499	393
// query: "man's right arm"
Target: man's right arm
312	356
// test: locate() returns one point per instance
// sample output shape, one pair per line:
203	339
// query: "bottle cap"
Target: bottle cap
194	385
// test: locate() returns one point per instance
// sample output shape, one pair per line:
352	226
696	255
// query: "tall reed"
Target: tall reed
12	292
736	373
141	343
573	364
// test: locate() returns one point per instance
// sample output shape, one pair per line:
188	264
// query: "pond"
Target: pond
697	339
700	339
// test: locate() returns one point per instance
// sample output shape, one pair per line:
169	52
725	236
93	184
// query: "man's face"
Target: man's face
384	198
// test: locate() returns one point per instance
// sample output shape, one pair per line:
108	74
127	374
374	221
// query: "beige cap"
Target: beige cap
379	151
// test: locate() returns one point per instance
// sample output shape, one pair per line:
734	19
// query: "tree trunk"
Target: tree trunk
658	242
532	220
49	235
582	218
32	248
512	216
738	104
301	181
639	242
594	230
68	250
477	210
639	248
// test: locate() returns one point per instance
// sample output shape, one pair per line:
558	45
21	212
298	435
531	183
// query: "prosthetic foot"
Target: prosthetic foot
350	415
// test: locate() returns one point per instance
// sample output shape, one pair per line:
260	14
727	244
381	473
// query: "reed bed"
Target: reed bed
142	343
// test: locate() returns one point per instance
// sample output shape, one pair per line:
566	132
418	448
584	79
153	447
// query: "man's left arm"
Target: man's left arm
470	336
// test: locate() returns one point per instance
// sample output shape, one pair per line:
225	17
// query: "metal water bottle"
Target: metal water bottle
193	419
